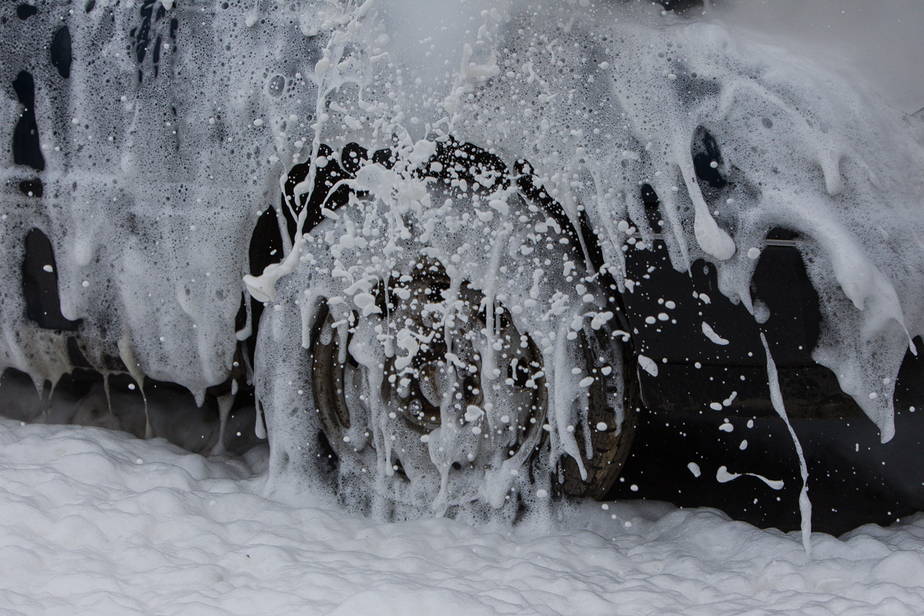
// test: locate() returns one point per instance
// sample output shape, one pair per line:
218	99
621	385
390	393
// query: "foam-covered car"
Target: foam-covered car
450	255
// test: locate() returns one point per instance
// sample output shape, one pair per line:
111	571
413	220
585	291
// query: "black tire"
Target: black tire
610	447
375	417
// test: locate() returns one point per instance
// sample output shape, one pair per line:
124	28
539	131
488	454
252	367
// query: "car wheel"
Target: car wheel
449	362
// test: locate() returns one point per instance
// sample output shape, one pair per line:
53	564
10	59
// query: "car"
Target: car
443	268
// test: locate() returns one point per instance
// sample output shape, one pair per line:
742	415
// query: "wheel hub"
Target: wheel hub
430	415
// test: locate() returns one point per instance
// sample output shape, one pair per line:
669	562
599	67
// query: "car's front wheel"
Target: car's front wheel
455	352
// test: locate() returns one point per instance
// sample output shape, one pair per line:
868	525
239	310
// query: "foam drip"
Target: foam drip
776	397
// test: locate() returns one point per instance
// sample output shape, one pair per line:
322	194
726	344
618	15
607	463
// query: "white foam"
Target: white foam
92	531
713	337
776	397
723	475
151	227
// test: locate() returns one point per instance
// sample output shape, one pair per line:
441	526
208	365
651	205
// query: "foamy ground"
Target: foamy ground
98	522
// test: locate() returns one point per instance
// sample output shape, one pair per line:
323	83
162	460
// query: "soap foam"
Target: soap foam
157	166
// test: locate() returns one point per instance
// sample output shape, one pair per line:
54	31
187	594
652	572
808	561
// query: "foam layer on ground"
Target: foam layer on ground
98	522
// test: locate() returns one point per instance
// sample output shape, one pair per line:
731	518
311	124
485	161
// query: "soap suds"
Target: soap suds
159	154
96	532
